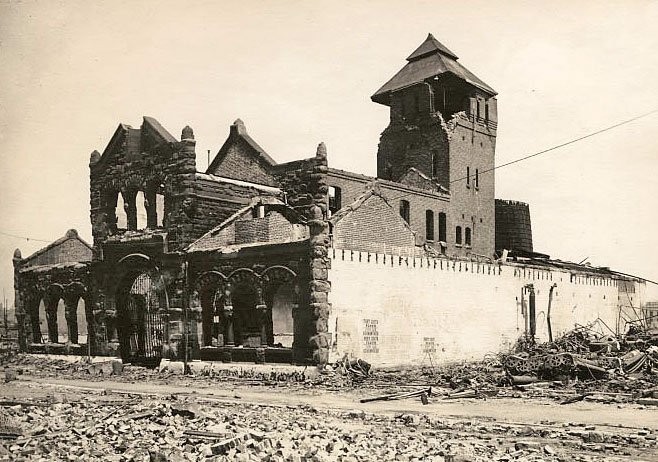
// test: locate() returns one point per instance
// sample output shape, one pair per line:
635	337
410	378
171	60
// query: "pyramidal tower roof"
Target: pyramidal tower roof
429	60
431	46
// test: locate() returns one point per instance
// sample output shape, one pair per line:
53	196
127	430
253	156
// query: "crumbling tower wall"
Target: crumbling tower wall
513	227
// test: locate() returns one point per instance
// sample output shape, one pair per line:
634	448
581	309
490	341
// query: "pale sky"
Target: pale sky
300	72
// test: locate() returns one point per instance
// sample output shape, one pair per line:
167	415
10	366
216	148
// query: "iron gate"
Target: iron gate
141	324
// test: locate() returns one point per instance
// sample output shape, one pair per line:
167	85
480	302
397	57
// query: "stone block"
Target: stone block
320	286
319	273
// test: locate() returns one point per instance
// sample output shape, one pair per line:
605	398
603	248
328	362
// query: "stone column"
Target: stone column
130	206
71	303
150	206
32	317
111	326
228	316
261	308
320	263
51	316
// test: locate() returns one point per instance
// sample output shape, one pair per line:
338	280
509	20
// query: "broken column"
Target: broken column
319	285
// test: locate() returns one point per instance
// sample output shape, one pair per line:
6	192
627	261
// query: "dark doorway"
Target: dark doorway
247	325
140	326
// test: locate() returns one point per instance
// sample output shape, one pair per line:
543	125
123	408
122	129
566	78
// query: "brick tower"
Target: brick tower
443	123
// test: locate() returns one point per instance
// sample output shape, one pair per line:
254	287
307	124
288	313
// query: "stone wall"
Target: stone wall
305	184
147	160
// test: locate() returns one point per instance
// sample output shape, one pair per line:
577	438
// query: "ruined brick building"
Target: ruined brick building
256	260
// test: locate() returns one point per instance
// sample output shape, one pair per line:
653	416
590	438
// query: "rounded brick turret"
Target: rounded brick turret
513	227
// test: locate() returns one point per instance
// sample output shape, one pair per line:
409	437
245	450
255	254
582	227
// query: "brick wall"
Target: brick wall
457	147
216	200
240	162
71	250
354	185
395	311
274	227
375	227
472	145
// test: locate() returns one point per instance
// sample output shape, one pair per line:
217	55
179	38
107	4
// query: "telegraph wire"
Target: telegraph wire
553	148
24	237
521	159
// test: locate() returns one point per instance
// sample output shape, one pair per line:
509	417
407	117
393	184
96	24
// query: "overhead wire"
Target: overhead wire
27	238
553	148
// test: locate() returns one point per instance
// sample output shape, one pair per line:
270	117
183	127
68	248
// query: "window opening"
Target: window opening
335	199
442	227
467	239
429	225
458	235
404	210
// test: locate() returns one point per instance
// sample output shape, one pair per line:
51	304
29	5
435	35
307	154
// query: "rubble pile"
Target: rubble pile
175	428
590	362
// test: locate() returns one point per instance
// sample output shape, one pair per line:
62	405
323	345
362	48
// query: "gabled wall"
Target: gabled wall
239	161
69	249
241	158
147	160
374	226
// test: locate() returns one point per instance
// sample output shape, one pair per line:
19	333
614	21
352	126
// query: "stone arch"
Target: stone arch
141	299
208	298
278	274
244	296
281	296
52	297
32	303
73	293
244	276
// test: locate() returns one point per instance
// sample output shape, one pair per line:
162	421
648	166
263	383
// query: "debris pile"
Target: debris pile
602	363
177	428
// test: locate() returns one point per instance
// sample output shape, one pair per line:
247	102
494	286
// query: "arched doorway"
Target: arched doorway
81	321
41	330
141	301
212	302
247	324
283	329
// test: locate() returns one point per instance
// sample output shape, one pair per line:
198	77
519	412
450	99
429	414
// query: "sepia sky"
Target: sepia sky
300	72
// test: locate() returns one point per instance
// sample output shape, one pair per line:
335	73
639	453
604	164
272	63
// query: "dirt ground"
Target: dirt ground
145	416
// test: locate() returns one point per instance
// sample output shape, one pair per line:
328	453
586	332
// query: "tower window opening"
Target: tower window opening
467	237
477	179
468	177
335	199
404	210
429	225
458	235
